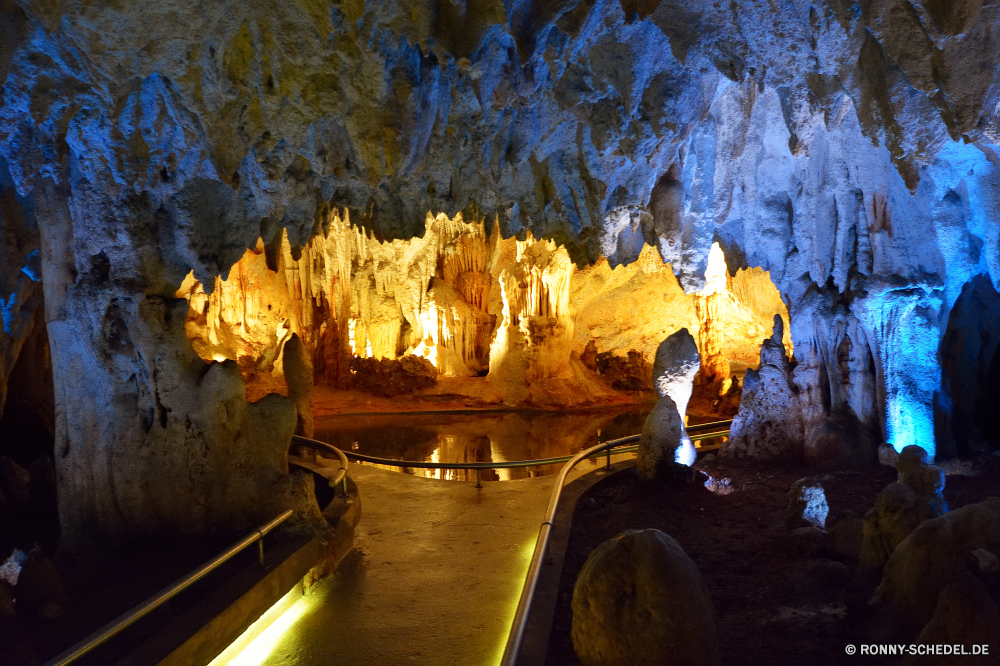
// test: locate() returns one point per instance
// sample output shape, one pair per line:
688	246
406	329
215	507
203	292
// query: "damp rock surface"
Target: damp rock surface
640	599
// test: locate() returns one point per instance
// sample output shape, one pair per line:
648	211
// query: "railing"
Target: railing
716	430
341	474
151	604
520	624
165	595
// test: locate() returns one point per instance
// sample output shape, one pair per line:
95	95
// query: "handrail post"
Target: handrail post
260	547
479	481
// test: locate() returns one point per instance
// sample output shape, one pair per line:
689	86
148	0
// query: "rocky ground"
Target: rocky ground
773	603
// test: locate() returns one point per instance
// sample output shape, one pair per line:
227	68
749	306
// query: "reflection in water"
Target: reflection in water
452	437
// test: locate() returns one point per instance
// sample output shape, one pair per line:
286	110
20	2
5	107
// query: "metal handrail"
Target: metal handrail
341	474
165	595
420	464
520	624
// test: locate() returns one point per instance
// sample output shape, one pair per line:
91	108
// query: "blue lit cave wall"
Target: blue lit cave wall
848	148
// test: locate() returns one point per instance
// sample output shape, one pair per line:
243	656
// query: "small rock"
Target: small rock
640	599
806	502
15	481
806	542
844	538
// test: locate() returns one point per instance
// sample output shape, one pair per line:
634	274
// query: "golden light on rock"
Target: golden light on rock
517	311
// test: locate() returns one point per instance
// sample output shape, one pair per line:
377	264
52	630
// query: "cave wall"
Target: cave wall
848	148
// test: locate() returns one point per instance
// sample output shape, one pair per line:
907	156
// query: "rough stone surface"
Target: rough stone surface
768	425
934	555
298	370
965	615
806	504
845	537
675	366
393	377
898	511
926	480
661	436
639	599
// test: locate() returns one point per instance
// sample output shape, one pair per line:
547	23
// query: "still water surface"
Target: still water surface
497	436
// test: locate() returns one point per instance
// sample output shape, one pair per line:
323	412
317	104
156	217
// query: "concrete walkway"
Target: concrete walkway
434	578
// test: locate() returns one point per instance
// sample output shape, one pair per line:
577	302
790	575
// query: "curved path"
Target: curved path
434	578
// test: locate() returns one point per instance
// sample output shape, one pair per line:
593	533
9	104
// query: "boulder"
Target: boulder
933	556
769	424
639	599
965	615
39	588
887	456
661	436
806	542
806	505
897	512
844	538
15	482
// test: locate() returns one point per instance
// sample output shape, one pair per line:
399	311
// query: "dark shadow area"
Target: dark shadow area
970	372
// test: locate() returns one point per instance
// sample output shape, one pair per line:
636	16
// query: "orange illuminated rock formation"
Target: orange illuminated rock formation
471	304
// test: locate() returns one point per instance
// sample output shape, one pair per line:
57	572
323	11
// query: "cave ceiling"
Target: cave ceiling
198	127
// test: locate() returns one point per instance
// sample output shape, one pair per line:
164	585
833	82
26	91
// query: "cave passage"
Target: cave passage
463	319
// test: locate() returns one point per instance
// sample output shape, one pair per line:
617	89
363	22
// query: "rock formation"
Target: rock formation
901	507
848	150
639	599
674	369
769	423
935	555
662	436
806	504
